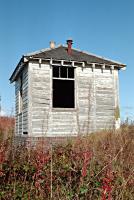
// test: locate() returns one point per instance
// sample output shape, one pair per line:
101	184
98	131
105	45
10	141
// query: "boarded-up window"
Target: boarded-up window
63	87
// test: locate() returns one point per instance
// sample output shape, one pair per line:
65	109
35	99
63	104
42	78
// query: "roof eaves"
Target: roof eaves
104	58
16	71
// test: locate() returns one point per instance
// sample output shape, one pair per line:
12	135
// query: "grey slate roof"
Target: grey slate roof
60	53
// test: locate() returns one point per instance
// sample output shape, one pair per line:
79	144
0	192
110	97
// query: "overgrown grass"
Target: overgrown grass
6	128
98	166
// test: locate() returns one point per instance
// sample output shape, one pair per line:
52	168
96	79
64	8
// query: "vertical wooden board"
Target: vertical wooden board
25	100
116	80
30	83
20	127
117	107
17	107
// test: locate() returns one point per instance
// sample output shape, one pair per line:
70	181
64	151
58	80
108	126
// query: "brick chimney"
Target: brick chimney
69	48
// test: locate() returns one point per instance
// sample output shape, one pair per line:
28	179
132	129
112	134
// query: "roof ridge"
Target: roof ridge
41	51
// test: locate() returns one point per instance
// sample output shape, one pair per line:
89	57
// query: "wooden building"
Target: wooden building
61	91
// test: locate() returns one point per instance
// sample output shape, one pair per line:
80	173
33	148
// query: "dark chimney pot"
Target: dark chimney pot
69	43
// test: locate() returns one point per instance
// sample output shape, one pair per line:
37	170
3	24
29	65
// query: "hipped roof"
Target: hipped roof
60	53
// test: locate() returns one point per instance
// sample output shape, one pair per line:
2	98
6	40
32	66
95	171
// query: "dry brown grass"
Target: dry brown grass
6	127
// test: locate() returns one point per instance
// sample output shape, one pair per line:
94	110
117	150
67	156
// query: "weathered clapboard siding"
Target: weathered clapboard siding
85	99
17	88
96	97
96	103
25	100
22	115
44	119
39	98
62	123
93	80
105	99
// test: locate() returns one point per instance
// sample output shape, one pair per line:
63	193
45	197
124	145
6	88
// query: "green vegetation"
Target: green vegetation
98	166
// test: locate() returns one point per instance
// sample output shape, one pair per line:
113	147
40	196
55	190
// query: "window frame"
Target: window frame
60	78
63	78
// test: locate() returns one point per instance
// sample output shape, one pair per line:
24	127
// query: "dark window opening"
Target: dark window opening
63	87
63	93
70	72
56	72
25	133
63	72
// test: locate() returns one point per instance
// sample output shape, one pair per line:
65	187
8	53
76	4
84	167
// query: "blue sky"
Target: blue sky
103	27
